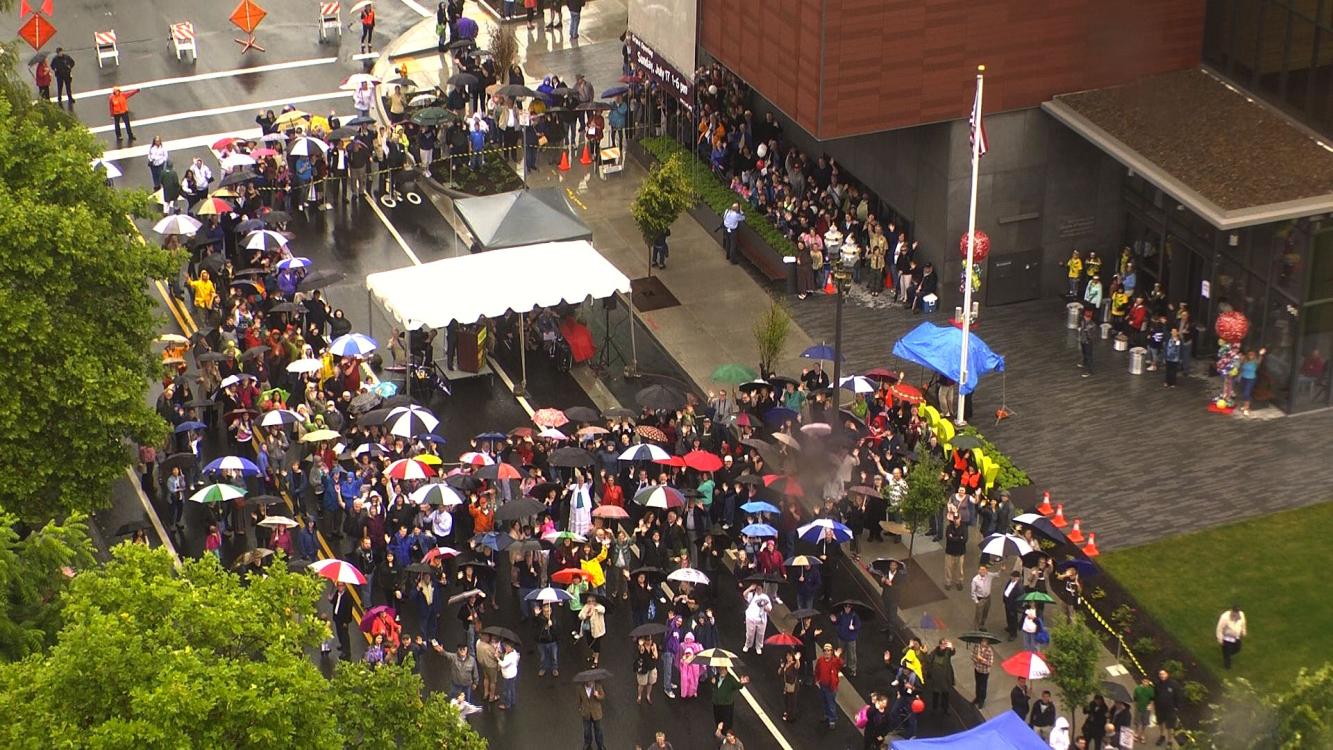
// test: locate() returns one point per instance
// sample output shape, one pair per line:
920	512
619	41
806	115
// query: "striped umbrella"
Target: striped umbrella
437	494
352	345
473	458
338	571
661	496
233	463
216	493
815	530
644	452
408	468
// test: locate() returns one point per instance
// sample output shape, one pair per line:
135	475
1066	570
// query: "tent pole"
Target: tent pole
633	370
522	389
370	314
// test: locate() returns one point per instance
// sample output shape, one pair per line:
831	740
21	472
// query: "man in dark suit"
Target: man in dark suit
928	285
1013	604
591	696
342	616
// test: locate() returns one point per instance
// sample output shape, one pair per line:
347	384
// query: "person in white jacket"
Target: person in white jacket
508	675
756	618
363	97
1230	631
1060	735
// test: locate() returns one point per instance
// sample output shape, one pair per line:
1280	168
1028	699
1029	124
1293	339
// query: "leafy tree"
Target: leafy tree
663	196
925	496
35	567
76	313
770	335
151	656
1073	660
1299	718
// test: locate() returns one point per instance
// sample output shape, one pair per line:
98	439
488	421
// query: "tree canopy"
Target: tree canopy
35	567
1298	718
76	313
1073	659
155	657
663	195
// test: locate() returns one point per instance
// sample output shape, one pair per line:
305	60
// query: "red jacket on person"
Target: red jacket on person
828	671
119	101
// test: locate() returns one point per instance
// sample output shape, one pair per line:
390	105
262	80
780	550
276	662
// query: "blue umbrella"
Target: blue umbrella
820	351
352	345
548	594
233	463
940	349
495	540
614	91
386	389
1085	568
759	506
187	426
814	531
431	437
491	436
780	414
759	529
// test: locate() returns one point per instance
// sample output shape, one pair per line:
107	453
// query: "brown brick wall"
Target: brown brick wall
896	63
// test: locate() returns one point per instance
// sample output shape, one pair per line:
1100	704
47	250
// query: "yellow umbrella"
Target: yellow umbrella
223	192
430	459
321	122
290	119
172	338
913	662
318	436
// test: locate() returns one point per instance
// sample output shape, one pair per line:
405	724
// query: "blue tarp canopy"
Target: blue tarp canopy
1004	732
940	349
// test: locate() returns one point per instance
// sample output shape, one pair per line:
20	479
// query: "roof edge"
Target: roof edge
1216	215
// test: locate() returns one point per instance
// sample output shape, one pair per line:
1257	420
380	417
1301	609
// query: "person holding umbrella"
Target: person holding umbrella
983	658
591	698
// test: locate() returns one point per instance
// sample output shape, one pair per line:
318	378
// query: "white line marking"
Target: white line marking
227	110
392	230
152	516
417	7
763	717
215	75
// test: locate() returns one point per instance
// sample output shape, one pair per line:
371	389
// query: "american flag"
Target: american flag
974	120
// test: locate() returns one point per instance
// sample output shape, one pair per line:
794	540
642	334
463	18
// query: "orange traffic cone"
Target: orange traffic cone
1045	508
586	159
564	161
1058	521
828	285
1090	549
1075	534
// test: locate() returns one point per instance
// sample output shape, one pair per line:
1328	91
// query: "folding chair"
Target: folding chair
105	44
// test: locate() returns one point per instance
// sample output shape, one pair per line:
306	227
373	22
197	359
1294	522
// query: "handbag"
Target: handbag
542	140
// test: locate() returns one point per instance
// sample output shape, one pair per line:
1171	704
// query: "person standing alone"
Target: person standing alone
119	104
731	222
1230	632
63	66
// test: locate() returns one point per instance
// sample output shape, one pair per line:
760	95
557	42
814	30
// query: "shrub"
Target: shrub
1010	476
1144	647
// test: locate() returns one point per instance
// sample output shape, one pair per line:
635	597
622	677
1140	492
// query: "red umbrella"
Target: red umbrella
566	576
787	485
703	461
507	471
614	512
648	432
906	392
882	375
444	552
521	432
782	639
549	418
338	571
408	468
675	461
745	420
227	142
1027	664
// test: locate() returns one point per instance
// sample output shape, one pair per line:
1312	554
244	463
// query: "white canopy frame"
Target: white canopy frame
491	284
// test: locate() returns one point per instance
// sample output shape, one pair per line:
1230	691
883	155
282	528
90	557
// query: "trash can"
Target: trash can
790	262
1121	343
1106	331
1136	357
1075	311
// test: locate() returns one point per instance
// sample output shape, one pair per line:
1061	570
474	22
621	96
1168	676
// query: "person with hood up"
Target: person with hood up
1060	735
690	671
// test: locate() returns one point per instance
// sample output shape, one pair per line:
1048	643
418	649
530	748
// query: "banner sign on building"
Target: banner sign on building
644	57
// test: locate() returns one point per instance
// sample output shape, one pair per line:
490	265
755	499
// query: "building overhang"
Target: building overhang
1237	216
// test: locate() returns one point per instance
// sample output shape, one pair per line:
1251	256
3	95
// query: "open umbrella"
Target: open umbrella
551	433
783	639
338	571
437	552
801	614
592	675
883	565
355	80
319	436
319	279
979	636
1039	596
264	501
660	398
274	522
702	461
689	575
305	366
779	414
755	385
211	207
187	426
759	530
819	351
858	384
759	506
582	414
715	657
1085	569
610	512
309	147
431	117
653	573
501	471
661	496
475	458
644	452
549	418
765	578
566	576
408	468
865	610
177	224
1002	545
497	541
456	598
368	620
516	91
733	374
815	530
906	393
1028	664
517	508
802	561
548	594
183	461
352	345
650	433
1040	524
216	493
570	457
233	463
1116	692
647	630
505	633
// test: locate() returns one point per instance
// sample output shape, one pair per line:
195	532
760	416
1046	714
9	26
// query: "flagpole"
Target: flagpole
977	135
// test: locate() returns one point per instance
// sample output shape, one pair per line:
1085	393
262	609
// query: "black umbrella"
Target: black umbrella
517	508
563	91
132	527
343	132
202	240
319	279
463	482
648	629
463	79
765	578
182	460
277	217
782	381
264	501
582	414
298	565
1117	692
660	398
592	675
459	44
418	567
254	352
979	636
399	81
649	571
965	442
593	107
362	120
250	272
618	412
505	633
525	546
865	609
516	91
539	491
754	480
238	178
285	307
881	565
570	457
433	116
39	57
213	262
801	614
373	417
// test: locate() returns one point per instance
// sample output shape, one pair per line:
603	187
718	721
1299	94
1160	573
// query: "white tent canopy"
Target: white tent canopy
489	284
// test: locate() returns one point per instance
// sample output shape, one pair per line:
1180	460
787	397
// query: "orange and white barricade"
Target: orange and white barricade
330	19
105	44
183	40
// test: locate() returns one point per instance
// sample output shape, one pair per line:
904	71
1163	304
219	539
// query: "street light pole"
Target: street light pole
843	263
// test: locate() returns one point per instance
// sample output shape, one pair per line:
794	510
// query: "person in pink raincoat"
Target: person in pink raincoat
690	672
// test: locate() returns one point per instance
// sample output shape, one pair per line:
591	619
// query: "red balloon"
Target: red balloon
1232	326
918	706
980	249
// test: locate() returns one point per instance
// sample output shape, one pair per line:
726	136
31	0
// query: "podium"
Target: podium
471	348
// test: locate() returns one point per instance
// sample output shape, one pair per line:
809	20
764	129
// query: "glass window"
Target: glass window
1241	42
1277	333
1272	49
1321	267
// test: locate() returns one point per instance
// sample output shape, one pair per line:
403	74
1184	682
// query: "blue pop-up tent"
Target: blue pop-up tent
1004	732
940	349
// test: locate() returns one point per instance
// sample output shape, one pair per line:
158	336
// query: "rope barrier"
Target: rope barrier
1119	638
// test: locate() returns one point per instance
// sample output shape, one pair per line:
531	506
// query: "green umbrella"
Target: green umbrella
1038	596
216	493
432	116
733	374
978	636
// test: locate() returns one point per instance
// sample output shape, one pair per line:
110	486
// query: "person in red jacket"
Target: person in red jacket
42	77
119	104
827	675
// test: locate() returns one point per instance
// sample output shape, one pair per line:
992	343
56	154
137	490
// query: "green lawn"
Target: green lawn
1269	565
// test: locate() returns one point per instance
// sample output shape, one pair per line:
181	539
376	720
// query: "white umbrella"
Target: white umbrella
553	434
264	239
338	571
1002	545
295	262
280	418
112	171
304	147
236	161
644	452
355	80
357	7
275	521
858	384
177	224
305	366
437	494
690	575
